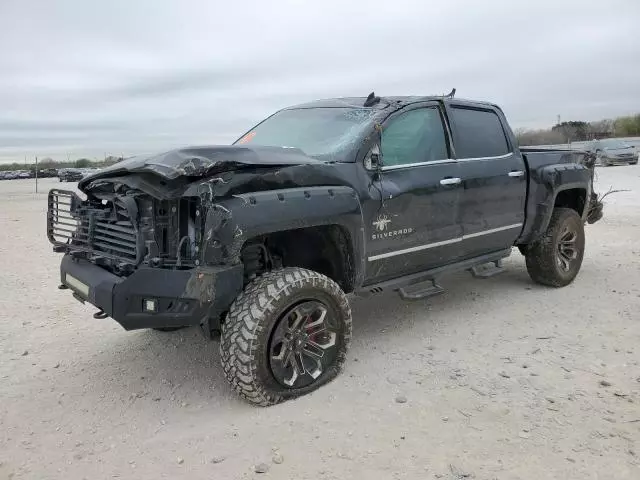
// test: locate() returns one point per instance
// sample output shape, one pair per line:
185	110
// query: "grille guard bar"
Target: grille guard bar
99	231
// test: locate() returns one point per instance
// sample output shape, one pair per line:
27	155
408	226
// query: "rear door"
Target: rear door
493	172
413	225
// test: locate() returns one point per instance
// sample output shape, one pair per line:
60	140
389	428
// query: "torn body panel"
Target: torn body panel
201	161
234	221
573	171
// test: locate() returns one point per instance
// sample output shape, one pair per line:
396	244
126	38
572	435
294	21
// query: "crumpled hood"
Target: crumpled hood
200	161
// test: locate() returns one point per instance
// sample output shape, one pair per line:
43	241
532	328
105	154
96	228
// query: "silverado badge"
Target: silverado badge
382	223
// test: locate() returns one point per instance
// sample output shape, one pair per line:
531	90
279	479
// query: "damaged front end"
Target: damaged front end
153	245
122	231
137	256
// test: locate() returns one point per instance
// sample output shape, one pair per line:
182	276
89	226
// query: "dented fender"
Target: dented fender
232	221
545	183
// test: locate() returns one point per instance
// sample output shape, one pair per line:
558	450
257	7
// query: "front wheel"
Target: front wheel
285	335
556	258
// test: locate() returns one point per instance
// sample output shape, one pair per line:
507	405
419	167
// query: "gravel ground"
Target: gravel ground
502	378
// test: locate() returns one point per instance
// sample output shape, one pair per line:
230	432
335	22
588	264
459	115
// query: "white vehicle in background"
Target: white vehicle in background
612	151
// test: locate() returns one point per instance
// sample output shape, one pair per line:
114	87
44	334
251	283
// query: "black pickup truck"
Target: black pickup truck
263	239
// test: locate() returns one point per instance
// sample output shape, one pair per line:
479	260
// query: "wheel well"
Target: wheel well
324	249
574	198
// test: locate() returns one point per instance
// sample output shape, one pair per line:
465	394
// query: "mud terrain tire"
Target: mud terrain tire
555	259
265	308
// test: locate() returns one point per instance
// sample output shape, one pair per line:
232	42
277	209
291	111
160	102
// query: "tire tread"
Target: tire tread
541	255
245	321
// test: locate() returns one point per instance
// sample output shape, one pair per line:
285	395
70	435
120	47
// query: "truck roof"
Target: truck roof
386	102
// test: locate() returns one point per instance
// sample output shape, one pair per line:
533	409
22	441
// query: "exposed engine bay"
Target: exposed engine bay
124	230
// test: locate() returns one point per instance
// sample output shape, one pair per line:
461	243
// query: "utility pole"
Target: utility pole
36	174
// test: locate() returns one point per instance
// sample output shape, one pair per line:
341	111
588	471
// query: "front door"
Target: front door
413	225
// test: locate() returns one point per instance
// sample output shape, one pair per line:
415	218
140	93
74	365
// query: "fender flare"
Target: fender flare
233	221
546	183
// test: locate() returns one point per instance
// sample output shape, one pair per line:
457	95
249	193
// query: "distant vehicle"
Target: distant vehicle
24	174
262	240
70	175
612	151
45	173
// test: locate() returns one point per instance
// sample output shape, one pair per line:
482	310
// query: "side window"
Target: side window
414	136
480	133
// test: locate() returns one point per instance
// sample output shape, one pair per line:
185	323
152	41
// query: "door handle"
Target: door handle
516	173
450	181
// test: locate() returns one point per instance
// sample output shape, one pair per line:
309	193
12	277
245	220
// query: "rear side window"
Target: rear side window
479	133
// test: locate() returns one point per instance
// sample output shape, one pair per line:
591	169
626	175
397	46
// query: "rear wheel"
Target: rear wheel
556	258
285	335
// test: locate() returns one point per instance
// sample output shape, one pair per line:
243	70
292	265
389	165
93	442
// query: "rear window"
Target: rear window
479	133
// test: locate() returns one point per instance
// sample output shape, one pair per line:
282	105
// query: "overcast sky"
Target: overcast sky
85	78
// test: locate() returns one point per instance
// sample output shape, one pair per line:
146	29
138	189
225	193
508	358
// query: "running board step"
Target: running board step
487	270
421	291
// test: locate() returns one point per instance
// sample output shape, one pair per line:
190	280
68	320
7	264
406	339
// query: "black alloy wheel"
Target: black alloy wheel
555	259
303	344
567	253
285	335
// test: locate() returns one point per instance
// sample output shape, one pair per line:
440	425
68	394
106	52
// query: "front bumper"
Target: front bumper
181	297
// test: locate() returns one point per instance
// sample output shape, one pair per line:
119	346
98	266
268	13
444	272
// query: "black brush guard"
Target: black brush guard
96	231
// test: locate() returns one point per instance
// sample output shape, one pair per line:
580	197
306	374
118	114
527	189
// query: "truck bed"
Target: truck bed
537	156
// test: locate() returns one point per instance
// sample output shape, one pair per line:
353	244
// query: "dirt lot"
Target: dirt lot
503	378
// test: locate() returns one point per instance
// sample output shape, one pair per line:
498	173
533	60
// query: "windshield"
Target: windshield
613	143
315	131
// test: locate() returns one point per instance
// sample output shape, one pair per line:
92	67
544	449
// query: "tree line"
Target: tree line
579	131
48	163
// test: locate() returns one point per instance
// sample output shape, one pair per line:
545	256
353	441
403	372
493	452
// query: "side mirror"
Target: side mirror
373	160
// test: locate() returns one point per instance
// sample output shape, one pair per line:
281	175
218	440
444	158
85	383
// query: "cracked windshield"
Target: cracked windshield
315	131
